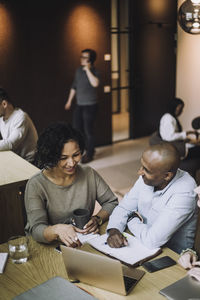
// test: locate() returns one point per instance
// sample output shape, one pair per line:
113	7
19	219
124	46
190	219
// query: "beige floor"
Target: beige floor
118	163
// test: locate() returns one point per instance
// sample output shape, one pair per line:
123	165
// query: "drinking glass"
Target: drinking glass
18	249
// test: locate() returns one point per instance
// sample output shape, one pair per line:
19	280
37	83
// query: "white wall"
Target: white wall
188	74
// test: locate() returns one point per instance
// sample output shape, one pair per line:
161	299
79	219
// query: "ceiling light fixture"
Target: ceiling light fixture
189	16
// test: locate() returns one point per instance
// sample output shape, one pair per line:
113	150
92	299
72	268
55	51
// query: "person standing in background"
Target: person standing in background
84	87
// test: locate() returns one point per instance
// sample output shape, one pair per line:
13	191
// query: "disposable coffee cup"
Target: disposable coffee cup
18	249
80	217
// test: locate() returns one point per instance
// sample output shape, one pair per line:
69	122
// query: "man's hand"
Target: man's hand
116	239
68	105
87	67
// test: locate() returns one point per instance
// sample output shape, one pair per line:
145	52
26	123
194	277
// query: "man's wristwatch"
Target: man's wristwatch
99	220
134	214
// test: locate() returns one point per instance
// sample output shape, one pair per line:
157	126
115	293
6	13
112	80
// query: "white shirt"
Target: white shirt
164	211
18	134
169	129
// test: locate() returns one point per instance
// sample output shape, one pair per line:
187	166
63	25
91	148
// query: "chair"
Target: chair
155	138
197	236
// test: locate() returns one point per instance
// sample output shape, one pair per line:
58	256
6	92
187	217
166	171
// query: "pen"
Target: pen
124	234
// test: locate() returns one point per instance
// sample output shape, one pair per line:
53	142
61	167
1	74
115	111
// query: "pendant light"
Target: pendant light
189	16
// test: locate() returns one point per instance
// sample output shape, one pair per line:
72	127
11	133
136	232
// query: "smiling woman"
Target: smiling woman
63	186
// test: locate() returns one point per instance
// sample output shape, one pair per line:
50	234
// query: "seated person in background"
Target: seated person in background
160	209
17	130
171	130
188	257
63	186
196	123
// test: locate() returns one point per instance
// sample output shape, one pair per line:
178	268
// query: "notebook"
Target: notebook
184	289
54	289
100	271
134	254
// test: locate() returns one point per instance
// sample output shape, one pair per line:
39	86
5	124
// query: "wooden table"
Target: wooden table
46	263
14	173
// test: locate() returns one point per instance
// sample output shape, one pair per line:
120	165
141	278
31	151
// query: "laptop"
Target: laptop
186	288
54	289
100	271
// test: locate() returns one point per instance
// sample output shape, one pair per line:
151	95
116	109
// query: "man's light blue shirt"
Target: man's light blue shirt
165	212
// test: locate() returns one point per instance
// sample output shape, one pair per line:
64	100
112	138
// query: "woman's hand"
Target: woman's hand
195	271
66	233
187	260
91	227
192	132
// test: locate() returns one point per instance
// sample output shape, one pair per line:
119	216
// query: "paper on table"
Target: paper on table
131	254
84	238
3	259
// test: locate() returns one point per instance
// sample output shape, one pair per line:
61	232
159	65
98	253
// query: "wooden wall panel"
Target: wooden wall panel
153	62
40	44
13	219
41	52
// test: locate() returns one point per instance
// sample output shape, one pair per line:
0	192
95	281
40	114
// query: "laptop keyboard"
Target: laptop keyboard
129	282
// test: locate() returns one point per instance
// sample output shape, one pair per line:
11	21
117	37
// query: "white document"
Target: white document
132	254
3	259
85	238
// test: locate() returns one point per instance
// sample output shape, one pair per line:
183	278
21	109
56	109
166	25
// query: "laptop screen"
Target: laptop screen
96	270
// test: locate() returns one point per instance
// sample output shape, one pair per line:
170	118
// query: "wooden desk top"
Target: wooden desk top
14	168
46	263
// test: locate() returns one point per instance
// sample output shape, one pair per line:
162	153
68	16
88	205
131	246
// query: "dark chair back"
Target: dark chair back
155	138
197	236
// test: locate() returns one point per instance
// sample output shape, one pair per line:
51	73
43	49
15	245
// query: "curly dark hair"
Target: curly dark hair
51	142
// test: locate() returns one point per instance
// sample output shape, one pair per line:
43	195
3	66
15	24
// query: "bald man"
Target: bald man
161	208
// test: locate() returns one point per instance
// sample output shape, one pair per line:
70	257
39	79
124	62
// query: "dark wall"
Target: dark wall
153	62
40	44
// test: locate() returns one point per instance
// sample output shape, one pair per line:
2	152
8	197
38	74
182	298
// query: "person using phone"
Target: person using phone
63	186
84	87
188	258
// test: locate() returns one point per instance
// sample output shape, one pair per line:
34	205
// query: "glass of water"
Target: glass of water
18	249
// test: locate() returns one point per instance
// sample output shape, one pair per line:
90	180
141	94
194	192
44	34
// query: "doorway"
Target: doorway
120	79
